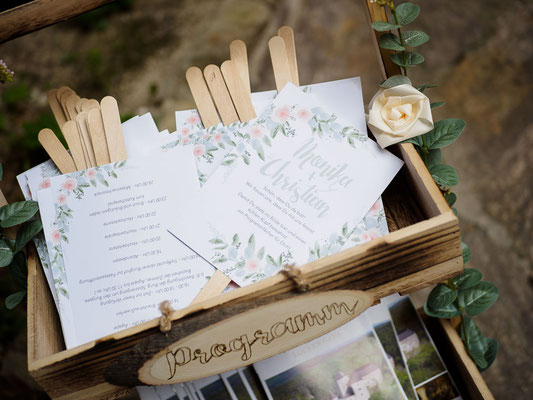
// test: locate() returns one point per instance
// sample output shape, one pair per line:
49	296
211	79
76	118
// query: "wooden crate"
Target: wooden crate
423	248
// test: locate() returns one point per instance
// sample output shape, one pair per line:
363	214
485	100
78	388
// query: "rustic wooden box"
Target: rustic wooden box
423	248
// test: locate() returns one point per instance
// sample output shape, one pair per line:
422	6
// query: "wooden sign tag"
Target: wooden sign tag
230	337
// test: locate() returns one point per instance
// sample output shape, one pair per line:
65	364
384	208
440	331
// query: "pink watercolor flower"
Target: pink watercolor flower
56	236
303	113
45	183
205	136
193	119
217	137
61	198
257	131
281	114
370	235
199	150
91	173
185	131
186	140
252	265
70	184
376	207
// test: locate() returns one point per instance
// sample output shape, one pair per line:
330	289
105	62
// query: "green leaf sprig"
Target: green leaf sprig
465	295
12	256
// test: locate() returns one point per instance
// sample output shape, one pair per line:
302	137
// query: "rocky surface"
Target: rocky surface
480	54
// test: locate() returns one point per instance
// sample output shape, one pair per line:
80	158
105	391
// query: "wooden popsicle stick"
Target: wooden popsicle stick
239	94
87	144
78	105
56	151
280	62
113	129
72	136
63	100
89	104
213	287
97	133
287	34
62	91
70	104
239	56
56	108
202	98
220	94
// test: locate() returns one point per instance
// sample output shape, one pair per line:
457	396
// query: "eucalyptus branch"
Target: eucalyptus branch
402	41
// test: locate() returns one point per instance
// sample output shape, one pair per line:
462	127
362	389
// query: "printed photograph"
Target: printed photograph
356	371
422	358
440	388
387	337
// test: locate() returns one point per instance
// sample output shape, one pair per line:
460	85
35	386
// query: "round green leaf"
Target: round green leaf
390	41
17	213
441	296
26	232
6	255
478	298
414	38
467	254
451	198
395	80
407	58
449	311
407	13
14	299
491	350
445	132
467	279
382	26
444	175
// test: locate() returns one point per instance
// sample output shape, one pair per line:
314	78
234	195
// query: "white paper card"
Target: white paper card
297	176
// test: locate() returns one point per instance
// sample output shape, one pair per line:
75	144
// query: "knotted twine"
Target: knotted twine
294	273
164	322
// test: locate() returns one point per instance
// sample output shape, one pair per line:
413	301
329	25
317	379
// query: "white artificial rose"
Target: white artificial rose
399	113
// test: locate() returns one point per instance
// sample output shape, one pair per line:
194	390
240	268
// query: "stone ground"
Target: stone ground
480	54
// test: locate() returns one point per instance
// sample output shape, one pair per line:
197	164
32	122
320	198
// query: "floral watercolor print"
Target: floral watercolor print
30	182
264	173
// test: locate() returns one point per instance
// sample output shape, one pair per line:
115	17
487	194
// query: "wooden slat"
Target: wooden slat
215	286
202	98
239	56
56	151
239	94
72	136
98	139
113	129
280	62
287	34
219	93
56	108
38	14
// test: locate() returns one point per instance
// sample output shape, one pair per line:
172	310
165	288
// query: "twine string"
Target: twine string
294	273
164	322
